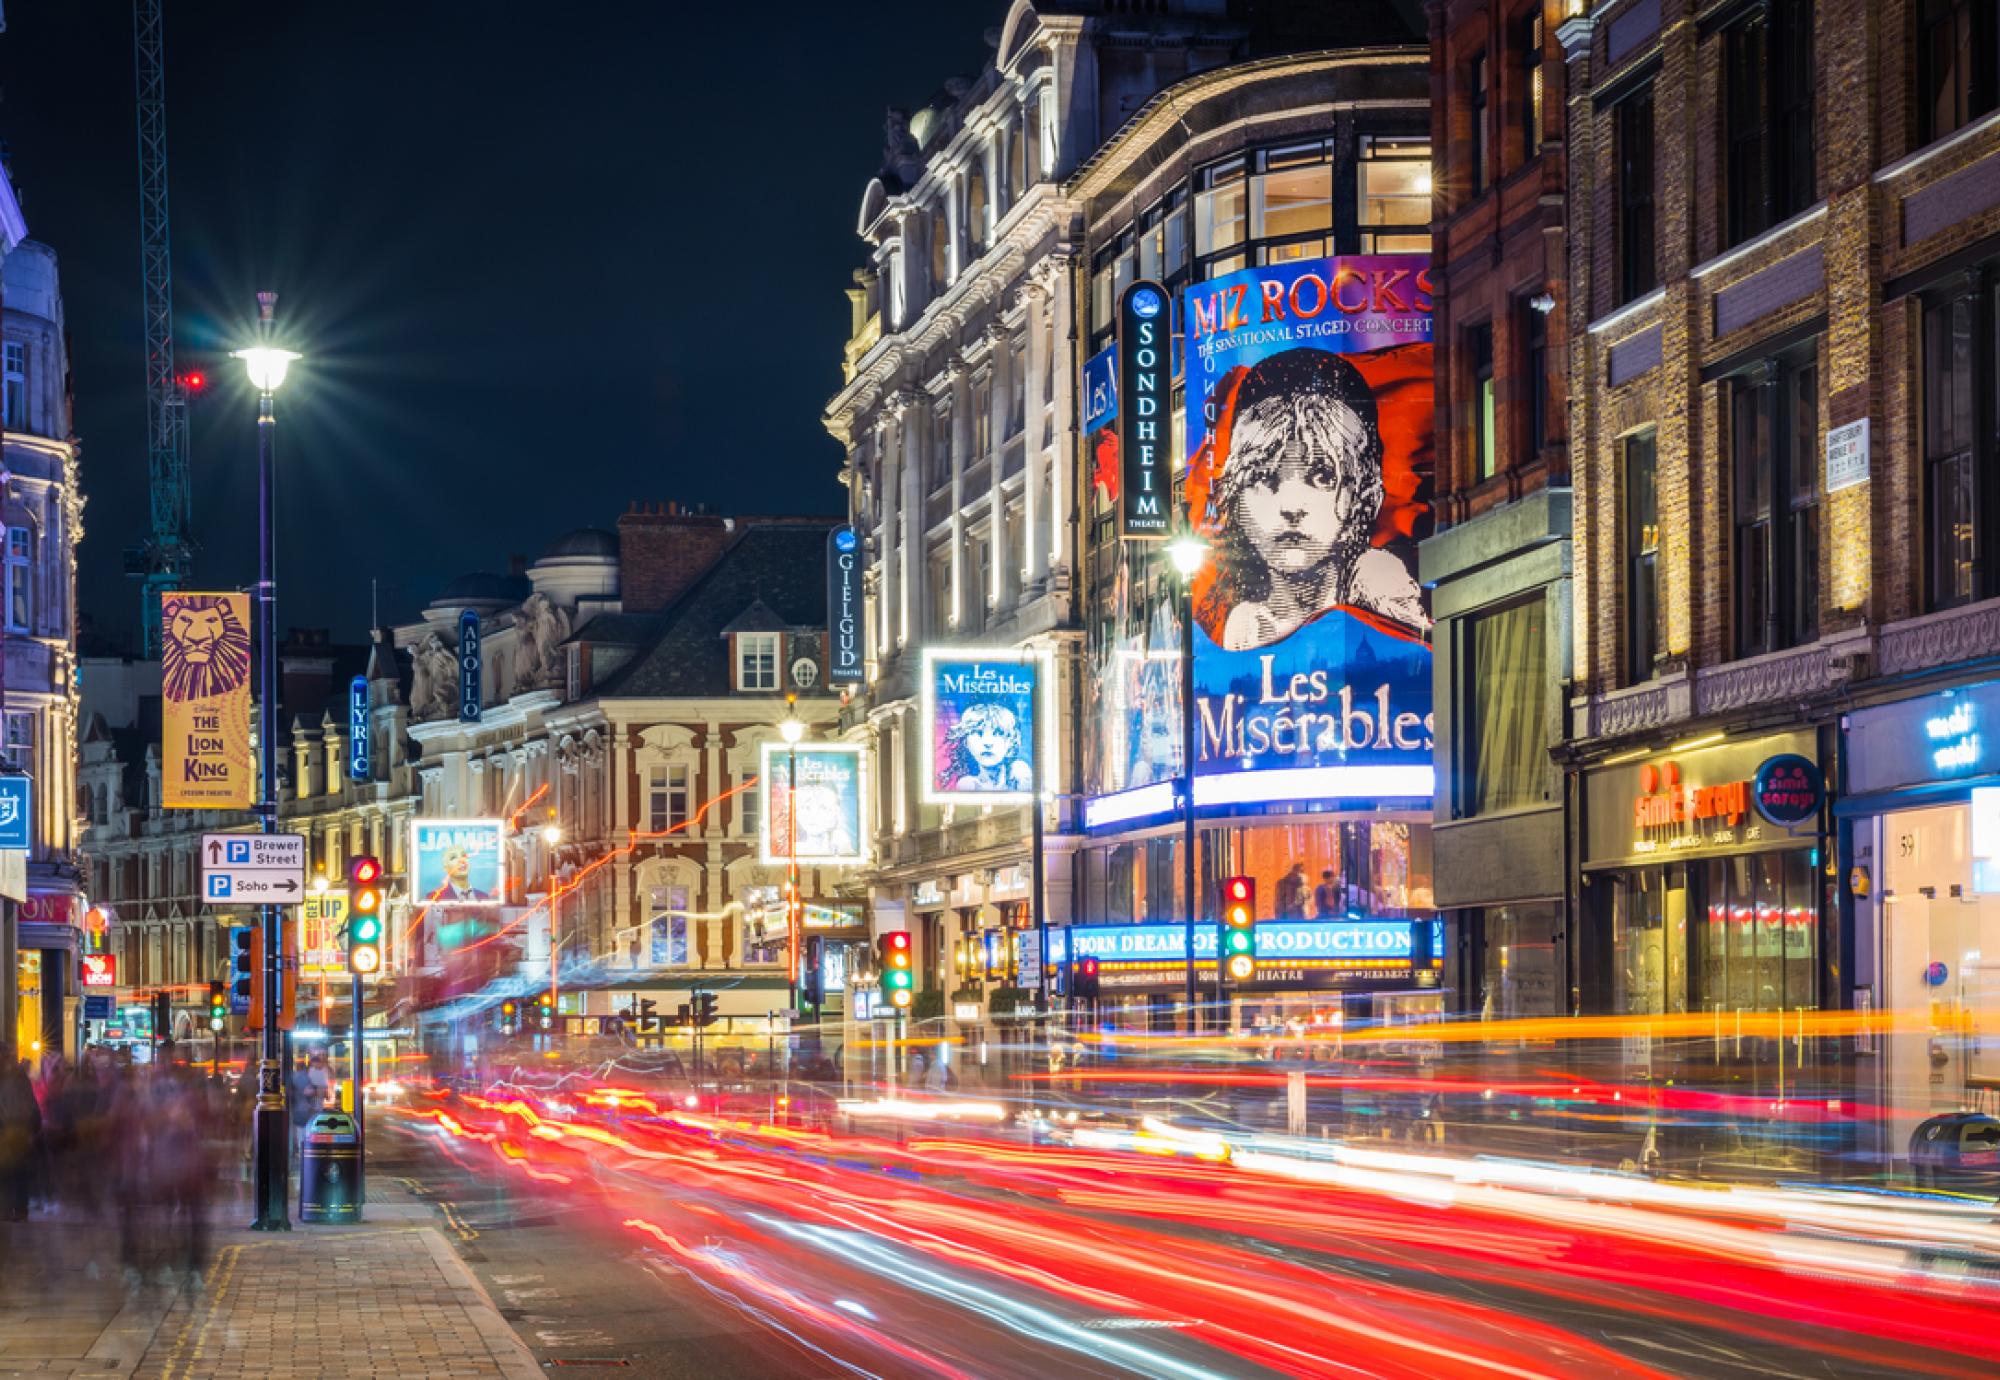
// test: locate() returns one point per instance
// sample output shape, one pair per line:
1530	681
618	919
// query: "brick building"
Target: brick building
1783	221
1498	565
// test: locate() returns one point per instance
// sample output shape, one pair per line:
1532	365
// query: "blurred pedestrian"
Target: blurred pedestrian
1292	893
1326	896
20	1136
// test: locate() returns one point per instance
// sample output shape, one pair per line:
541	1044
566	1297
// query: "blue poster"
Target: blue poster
828	818
1309	436
468	667
457	862
16	812
983	715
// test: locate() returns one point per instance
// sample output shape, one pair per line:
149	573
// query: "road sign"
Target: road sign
14	811
250	869
100	970
97	1007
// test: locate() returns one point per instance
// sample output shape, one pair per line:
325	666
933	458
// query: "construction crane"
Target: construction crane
164	560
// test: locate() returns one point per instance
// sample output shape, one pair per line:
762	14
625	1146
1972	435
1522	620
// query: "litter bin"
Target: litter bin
1957	1150
330	1170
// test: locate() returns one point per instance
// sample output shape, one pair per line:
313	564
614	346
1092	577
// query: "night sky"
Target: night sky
542	259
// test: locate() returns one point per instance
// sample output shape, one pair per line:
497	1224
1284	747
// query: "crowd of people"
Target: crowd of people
116	1150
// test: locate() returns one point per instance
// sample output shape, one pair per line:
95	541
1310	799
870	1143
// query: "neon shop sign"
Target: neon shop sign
1954	737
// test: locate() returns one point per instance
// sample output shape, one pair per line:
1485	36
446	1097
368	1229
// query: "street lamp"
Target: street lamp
552	833
267	365
792	729
1188	553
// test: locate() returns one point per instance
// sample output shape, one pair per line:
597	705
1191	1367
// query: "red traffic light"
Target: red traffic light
365	871
898	939
1238	888
1090	967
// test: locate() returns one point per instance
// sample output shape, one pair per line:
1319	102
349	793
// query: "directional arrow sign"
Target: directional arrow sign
252	869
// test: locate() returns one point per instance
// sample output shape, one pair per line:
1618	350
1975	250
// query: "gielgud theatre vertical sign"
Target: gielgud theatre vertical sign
205	692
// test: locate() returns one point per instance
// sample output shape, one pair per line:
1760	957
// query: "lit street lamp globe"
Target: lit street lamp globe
1187	551
791	730
266	365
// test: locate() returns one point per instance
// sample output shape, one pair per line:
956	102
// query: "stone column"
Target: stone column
961	444
1065	491
1034	563
996	399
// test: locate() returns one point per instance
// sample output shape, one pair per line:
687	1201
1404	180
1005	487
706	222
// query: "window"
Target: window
1017	386
1031	137
1017	164
14	386
20	577
1638	266
1533	324
1508	688
940	448
1477	80
1774	437
1534	130
1479	351
749	801
669	929
1645	618
1958	64
757	661
982	417
1768	70
1395	195
1221	212
1961	364
1293	195
666	797
940	232
975	208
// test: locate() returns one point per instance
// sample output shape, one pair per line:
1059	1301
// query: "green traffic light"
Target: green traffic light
366	929
1239	941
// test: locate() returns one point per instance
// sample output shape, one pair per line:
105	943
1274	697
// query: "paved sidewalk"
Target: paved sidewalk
386	1297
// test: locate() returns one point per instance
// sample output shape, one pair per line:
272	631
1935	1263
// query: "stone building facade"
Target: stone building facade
43	510
1784	220
1498	564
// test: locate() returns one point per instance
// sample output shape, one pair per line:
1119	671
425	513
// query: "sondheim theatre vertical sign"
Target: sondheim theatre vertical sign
1145	367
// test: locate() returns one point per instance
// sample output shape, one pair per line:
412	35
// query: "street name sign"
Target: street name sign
97	1006
252	869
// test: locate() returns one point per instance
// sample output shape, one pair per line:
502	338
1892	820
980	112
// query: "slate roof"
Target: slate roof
781	565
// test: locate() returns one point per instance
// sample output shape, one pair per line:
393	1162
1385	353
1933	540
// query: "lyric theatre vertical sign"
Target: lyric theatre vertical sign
1145	365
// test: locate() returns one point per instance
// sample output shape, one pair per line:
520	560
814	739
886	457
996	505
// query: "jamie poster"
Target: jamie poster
985	713
205	690
457	862
1309	437
828	797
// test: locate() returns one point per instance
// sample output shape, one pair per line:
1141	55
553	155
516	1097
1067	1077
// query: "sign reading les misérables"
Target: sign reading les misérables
468	667
843	607
1145	365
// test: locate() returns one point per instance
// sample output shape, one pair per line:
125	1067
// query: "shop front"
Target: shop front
1703	892
46	984
1920	835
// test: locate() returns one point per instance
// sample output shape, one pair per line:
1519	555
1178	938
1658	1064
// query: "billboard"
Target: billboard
843	607
457	862
205	693
322	951
99	970
1309	441
986	715
829	795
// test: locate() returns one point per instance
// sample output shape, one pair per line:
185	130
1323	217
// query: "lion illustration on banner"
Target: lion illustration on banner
206	650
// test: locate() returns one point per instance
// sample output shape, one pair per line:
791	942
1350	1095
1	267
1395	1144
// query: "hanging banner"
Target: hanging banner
1309	442
843	607
829	799
468	667
205	692
987	714
457	862
359	765
1145	364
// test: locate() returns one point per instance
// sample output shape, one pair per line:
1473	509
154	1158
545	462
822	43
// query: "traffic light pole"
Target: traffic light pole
273	1144
360	1129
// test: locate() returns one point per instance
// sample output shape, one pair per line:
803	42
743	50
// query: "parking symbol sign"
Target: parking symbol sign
218	886
239	851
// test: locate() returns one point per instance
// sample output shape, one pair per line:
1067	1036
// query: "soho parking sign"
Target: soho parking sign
16	796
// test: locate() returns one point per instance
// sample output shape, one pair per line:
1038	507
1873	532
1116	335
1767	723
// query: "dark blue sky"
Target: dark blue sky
543	259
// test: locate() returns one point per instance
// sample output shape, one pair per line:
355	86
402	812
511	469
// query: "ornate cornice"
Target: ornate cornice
1939	639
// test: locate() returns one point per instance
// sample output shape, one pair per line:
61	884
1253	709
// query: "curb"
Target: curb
509	1352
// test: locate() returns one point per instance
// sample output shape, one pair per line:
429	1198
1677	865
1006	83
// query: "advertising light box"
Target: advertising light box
829	795
457	862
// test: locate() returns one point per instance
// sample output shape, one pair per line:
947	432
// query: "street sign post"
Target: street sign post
98	1006
16	796
252	869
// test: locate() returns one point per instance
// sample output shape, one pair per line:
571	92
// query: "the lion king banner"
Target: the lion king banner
205	685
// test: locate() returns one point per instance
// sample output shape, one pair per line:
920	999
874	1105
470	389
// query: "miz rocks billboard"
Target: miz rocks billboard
1308	431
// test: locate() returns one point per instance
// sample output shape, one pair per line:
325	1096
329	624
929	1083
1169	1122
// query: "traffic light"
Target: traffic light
892	958
1239	928
364	916
1084	981
218	1007
163	1017
510	1015
704	1010
246	976
545	1011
